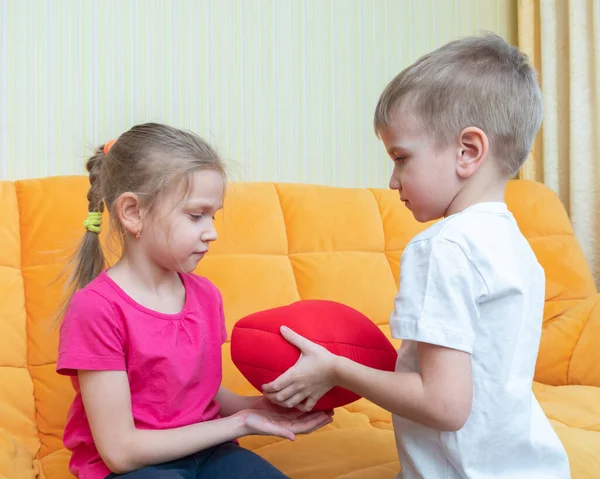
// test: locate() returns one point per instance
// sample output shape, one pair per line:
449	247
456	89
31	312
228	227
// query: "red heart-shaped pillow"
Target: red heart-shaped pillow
261	354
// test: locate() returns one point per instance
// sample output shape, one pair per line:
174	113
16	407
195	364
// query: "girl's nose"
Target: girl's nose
210	234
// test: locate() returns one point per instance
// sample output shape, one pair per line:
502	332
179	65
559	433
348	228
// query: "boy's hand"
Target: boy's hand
308	380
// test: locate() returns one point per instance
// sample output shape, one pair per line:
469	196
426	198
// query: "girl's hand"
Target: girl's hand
308	380
270	421
264	404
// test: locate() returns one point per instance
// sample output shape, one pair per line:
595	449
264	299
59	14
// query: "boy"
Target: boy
458	124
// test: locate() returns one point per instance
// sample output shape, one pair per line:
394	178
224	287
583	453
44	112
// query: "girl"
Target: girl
142	340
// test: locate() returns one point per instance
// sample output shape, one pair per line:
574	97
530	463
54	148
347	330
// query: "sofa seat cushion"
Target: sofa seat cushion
360	442
574	412
354	445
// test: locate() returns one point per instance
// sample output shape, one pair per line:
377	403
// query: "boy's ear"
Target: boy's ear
473	148
129	212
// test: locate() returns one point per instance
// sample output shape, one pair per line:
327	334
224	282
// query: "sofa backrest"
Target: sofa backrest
278	243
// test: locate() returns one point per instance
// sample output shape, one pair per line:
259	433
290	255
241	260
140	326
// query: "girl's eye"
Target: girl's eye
400	159
199	217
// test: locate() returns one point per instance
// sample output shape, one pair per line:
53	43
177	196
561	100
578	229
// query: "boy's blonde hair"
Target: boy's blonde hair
478	81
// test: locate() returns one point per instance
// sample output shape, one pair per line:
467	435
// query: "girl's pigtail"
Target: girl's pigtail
88	260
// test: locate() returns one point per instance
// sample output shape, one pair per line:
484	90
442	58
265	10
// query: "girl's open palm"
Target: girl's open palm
285	424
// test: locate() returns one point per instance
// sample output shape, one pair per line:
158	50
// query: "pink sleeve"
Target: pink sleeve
91	336
222	319
220	308
221	311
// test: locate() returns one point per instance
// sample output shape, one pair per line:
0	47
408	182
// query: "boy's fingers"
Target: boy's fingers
294	338
288	400
287	392
280	383
294	400
308	404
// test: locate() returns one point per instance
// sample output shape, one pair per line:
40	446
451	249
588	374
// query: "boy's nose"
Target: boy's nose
394	183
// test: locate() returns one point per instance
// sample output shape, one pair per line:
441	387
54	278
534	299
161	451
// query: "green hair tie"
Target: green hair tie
93	222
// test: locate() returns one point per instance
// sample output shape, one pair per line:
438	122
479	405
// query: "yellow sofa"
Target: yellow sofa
280	243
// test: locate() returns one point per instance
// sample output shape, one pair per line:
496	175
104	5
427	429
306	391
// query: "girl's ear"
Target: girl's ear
128	209
473	148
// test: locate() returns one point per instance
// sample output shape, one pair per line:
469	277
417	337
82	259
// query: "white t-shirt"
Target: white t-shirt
471	282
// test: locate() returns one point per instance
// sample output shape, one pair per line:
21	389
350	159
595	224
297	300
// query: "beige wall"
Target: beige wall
284	89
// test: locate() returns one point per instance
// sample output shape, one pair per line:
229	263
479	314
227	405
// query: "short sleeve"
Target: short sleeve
91	336
221	316
438	299
208	290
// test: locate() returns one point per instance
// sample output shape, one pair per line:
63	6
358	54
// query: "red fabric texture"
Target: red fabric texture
261	354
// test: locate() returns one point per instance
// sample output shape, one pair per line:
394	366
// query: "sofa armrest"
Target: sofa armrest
570	346
16	462
584	366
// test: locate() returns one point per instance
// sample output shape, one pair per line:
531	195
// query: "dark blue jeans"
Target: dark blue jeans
225	461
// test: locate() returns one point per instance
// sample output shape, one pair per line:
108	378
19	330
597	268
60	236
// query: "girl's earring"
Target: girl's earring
137	234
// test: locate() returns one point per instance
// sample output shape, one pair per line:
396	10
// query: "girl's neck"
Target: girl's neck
148	284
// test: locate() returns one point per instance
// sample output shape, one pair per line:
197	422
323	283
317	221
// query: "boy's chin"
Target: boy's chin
421	219
425	217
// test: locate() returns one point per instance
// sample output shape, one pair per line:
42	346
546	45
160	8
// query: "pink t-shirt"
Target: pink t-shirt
173	361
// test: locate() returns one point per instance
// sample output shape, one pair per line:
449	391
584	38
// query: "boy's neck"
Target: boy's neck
484	187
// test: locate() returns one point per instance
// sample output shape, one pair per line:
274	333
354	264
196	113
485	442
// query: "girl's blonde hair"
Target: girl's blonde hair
147	160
